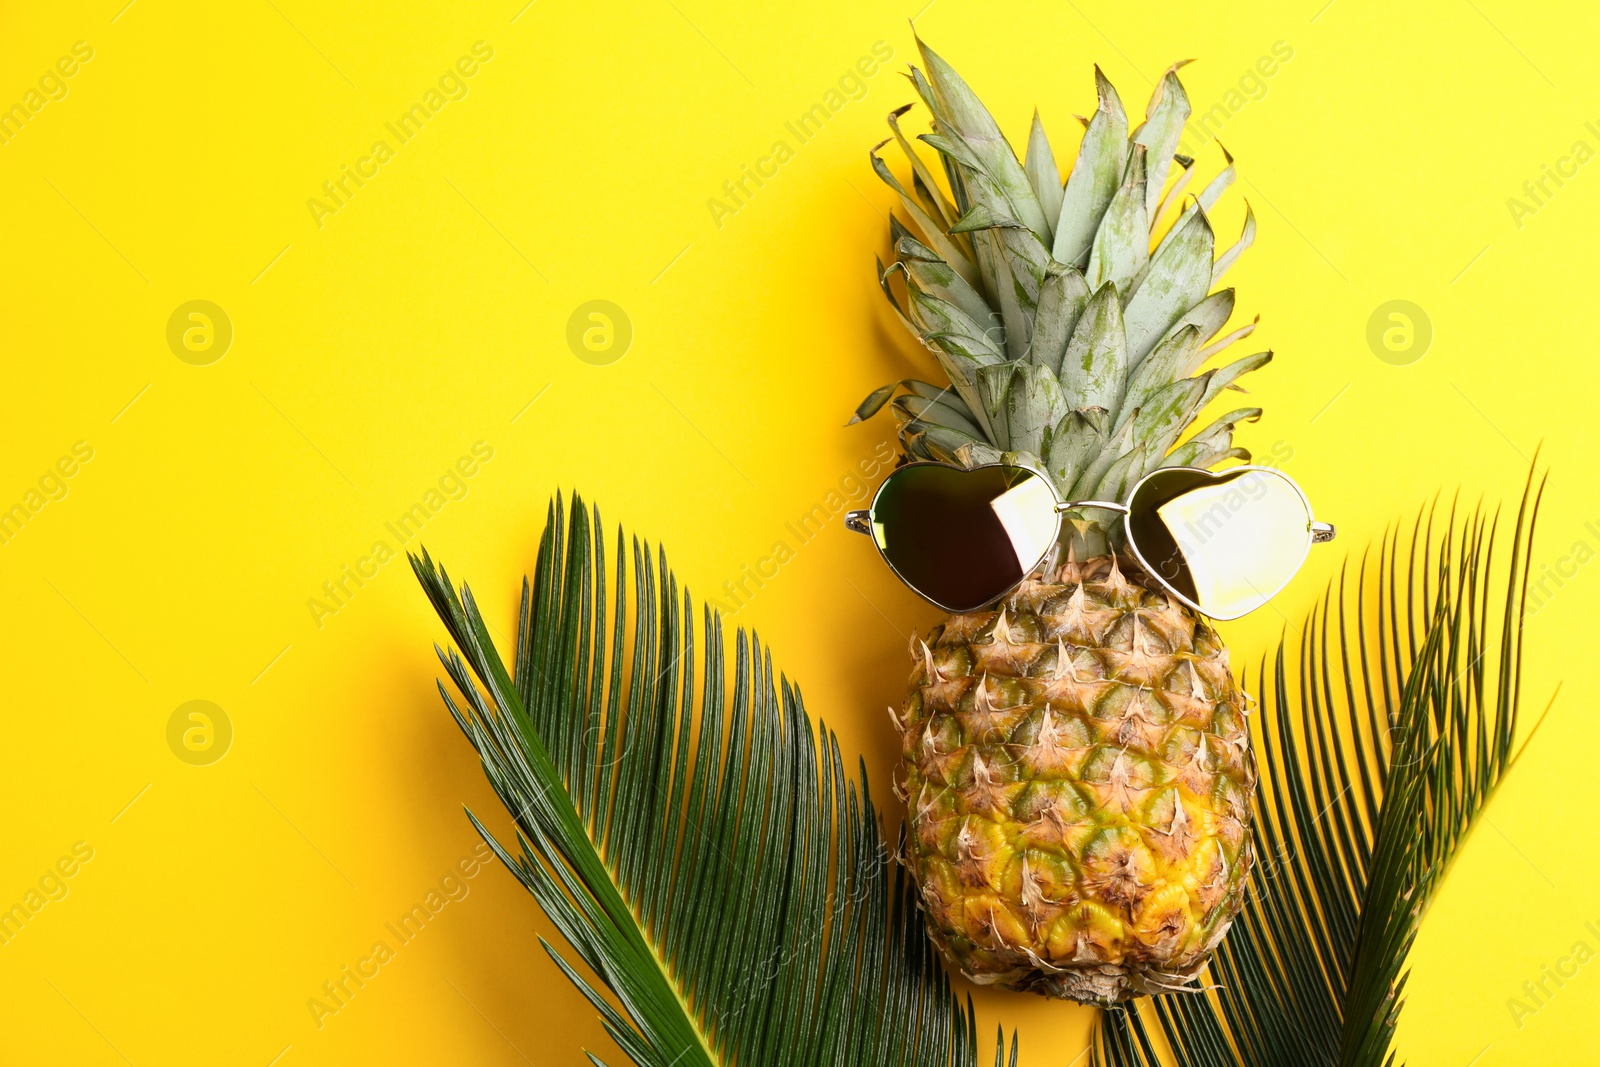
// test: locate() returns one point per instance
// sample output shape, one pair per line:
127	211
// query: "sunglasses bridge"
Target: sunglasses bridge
860	520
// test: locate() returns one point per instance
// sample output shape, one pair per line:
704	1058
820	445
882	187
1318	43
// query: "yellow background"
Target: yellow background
371	353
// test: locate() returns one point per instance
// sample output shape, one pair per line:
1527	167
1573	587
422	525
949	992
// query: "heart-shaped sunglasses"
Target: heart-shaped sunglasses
1222	542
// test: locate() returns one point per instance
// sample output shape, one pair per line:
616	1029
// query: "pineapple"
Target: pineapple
1076	761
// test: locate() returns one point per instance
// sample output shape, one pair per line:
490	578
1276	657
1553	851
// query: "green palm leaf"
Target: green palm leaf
696	843
1378	755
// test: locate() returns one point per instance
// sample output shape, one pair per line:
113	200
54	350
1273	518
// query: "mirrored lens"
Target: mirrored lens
961	538
1226	541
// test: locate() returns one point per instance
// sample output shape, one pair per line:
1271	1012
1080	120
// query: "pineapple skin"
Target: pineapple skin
1078	775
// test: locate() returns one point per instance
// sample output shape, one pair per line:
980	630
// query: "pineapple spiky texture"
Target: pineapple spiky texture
1075	757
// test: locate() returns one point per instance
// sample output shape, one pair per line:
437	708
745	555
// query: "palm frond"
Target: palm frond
1377	755
697	843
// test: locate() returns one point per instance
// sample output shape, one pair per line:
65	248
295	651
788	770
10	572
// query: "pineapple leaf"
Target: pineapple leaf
1111	448
1043	175
1175	194
925	390
1159	133
956	150
873	403
1102	159
1119	477
1062	298
983	217
933	202
957	333
1227	339
1167	363
914	408
697	843
1218	185
994	382
942	394
888	291
1210	314
1224	424
952	446
1162	418
1226	376
1205	452
1122	244
1096	362
933	275
1018	300
1076	440
963	116
1034	405
1378	755
1178	279
952	173
920	171
931	232
1246	239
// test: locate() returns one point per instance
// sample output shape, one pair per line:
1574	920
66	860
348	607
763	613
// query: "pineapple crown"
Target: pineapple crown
1071	345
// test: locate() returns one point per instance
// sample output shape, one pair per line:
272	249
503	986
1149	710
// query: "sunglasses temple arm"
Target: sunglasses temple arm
858	521
1322	532
1109	505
